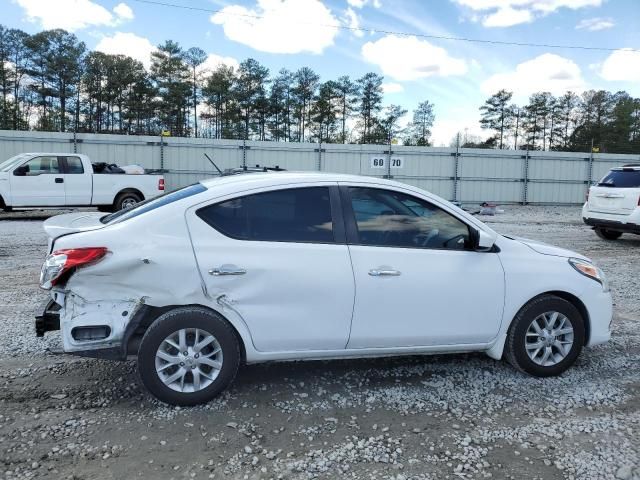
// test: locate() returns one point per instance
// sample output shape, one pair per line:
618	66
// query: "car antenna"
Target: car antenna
214	164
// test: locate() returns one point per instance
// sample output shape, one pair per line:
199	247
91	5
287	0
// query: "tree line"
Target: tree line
50	81
597	119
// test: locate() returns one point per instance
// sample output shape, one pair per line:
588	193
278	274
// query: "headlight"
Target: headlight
590	270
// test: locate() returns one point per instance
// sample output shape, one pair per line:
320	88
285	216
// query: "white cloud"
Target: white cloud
506	13
123	11
353	22
129	44
507	17
362	3
408	58
392	87
279	26
622	65
73	14
547	72
445	130
213	61
595	24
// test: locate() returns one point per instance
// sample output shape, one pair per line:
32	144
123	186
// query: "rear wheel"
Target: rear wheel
126	200
546	337
607	234
188	356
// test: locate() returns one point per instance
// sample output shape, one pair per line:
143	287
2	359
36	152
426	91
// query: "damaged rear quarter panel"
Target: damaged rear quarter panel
149	263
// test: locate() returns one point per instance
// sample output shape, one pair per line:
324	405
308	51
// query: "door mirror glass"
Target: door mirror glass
484	241
21	171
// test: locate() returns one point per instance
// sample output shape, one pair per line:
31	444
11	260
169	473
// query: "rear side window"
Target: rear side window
291	215
621	179
152	204
74	165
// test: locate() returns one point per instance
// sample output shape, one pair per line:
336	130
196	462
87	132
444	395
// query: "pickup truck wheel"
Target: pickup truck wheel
126	200
188	356
546	337
605	234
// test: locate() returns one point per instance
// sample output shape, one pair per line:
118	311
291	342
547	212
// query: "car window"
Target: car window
628	178
153	203
392	219
43	165
291	215
74	165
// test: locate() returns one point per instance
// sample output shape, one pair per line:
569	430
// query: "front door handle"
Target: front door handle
226	270
59	180
384	272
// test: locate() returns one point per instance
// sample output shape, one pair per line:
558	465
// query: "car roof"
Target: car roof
265	179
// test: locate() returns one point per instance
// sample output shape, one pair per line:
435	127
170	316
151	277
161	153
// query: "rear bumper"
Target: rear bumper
612	225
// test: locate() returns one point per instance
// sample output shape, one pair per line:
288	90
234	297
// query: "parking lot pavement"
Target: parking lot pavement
434	417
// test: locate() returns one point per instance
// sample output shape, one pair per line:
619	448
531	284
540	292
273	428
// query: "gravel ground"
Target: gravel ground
456	416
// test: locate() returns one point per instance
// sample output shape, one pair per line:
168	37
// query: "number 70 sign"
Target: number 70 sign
382	162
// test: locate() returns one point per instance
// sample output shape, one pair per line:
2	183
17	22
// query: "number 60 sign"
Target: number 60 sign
381	162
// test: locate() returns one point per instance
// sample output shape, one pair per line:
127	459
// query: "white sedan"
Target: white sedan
288	266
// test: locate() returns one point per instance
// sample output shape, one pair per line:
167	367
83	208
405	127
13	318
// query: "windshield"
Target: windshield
626	178
13	161
152	204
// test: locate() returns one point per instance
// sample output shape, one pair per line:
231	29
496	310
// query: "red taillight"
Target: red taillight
161	184
61	261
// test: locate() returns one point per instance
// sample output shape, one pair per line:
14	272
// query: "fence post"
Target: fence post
525	178
456	167
161	152
319	161
75	141
590	169
244	151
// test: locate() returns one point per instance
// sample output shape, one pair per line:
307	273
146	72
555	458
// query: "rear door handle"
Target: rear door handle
59	180
226	270
384	272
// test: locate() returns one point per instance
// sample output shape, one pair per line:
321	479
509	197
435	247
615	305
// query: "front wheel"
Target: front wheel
188	356
546	337
605	234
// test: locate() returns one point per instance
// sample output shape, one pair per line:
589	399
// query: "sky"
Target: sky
393	38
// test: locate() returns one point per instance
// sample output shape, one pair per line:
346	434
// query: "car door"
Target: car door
418	283
280	259
40	184
77	183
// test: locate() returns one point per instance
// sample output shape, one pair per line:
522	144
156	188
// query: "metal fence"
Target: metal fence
466	175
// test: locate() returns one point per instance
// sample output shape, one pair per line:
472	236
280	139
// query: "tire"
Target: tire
605	234
126	200
516	352
189	319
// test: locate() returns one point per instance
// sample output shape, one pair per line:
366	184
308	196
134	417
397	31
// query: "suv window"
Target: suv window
626	178
42	165
74	165
386	218
291	215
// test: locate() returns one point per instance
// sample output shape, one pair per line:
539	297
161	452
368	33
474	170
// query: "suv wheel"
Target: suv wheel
605	234
188	356
546	337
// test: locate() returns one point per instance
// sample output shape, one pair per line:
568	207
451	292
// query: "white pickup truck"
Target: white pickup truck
70	180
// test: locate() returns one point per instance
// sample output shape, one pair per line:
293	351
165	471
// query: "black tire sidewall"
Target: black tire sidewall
123	196
523	321
608	234
188	318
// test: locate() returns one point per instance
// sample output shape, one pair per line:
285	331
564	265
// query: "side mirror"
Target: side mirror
21	171
484	241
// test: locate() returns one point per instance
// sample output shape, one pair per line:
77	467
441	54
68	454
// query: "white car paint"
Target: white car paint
303	301
59	189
